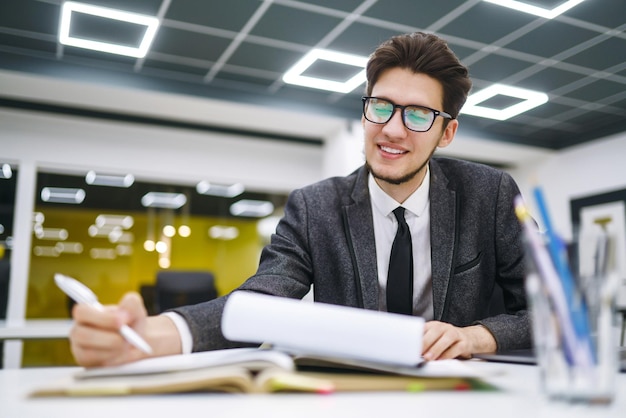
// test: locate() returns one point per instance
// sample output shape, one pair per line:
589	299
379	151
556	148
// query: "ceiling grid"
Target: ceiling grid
239	52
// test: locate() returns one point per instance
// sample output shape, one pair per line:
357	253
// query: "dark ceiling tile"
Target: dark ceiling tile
264	58
597	91
486	23
96	59
495	68
550	78
551	39
417	14
331	71
602	55
30	44
189	44
258	83
30	15
107	30
597	123
174	67
621	104
461	52
361	39
548	110
608	13
279	22
218	14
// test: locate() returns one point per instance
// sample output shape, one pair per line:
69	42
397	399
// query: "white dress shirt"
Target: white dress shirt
417	216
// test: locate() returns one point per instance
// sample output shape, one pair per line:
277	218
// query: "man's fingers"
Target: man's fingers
95	339
132	305
443	341
107	318
97	347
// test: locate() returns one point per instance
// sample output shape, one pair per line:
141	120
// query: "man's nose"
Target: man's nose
395	125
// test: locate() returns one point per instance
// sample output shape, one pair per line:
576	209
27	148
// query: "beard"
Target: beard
399	179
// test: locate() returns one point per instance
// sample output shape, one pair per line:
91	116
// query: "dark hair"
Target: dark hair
427	54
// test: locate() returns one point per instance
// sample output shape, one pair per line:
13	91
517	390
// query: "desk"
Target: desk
518	398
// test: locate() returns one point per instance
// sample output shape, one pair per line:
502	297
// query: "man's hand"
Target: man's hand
445	341
95	339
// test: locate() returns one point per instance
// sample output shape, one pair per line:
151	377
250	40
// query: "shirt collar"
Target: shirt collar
416	203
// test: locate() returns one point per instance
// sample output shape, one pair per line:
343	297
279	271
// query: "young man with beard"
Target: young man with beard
337	235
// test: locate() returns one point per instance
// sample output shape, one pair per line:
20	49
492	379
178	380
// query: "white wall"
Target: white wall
579	171
179	156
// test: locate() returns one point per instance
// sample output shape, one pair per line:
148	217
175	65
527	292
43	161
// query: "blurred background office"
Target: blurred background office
168	139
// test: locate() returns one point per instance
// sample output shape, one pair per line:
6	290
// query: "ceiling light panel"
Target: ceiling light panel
536	10
252	208
63	195
6	172
94	179
71	9
163	200
221	190
295	74
529	100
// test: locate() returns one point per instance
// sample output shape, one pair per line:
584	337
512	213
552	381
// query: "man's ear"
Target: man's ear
448	133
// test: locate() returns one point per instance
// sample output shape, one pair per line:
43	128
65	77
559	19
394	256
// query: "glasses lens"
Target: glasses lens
418	118
378	111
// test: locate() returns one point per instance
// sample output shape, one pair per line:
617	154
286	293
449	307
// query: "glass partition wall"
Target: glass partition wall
115	233
8	178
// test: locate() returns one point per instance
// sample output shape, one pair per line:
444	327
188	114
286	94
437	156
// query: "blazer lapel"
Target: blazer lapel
443	212
360	236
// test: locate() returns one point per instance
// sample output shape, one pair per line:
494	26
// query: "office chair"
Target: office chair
178	288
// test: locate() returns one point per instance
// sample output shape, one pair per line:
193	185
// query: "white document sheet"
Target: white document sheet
322	329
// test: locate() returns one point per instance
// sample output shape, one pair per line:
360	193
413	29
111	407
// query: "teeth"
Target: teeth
391	150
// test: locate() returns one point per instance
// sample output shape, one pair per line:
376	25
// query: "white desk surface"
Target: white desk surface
518	397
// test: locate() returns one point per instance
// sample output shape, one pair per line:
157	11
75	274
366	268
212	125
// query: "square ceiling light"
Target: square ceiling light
530	99
536	10
294	74
70	9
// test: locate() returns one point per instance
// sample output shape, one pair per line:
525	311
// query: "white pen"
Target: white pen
82	294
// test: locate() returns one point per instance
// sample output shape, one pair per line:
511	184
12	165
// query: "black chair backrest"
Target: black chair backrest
179	288
5	270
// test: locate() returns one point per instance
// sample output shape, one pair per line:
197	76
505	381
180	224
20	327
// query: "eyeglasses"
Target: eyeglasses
415	118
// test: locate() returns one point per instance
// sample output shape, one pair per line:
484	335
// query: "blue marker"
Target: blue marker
578	309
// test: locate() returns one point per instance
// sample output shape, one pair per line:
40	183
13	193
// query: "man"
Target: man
338	234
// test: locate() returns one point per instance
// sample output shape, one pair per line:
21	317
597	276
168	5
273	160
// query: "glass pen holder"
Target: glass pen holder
581	369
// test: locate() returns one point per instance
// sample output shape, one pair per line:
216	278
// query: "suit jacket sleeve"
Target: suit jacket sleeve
476	245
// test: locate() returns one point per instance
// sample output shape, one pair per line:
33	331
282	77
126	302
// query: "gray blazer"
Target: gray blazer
326	239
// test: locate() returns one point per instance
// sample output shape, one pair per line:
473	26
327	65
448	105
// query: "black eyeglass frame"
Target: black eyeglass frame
436	112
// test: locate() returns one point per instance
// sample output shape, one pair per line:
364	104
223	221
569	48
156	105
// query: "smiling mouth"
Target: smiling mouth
392	150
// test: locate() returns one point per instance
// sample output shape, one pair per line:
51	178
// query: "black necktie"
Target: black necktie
400	277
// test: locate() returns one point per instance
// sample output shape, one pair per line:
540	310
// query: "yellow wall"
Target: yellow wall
231	262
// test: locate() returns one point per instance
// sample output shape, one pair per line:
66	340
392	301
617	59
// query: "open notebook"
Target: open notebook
252	370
